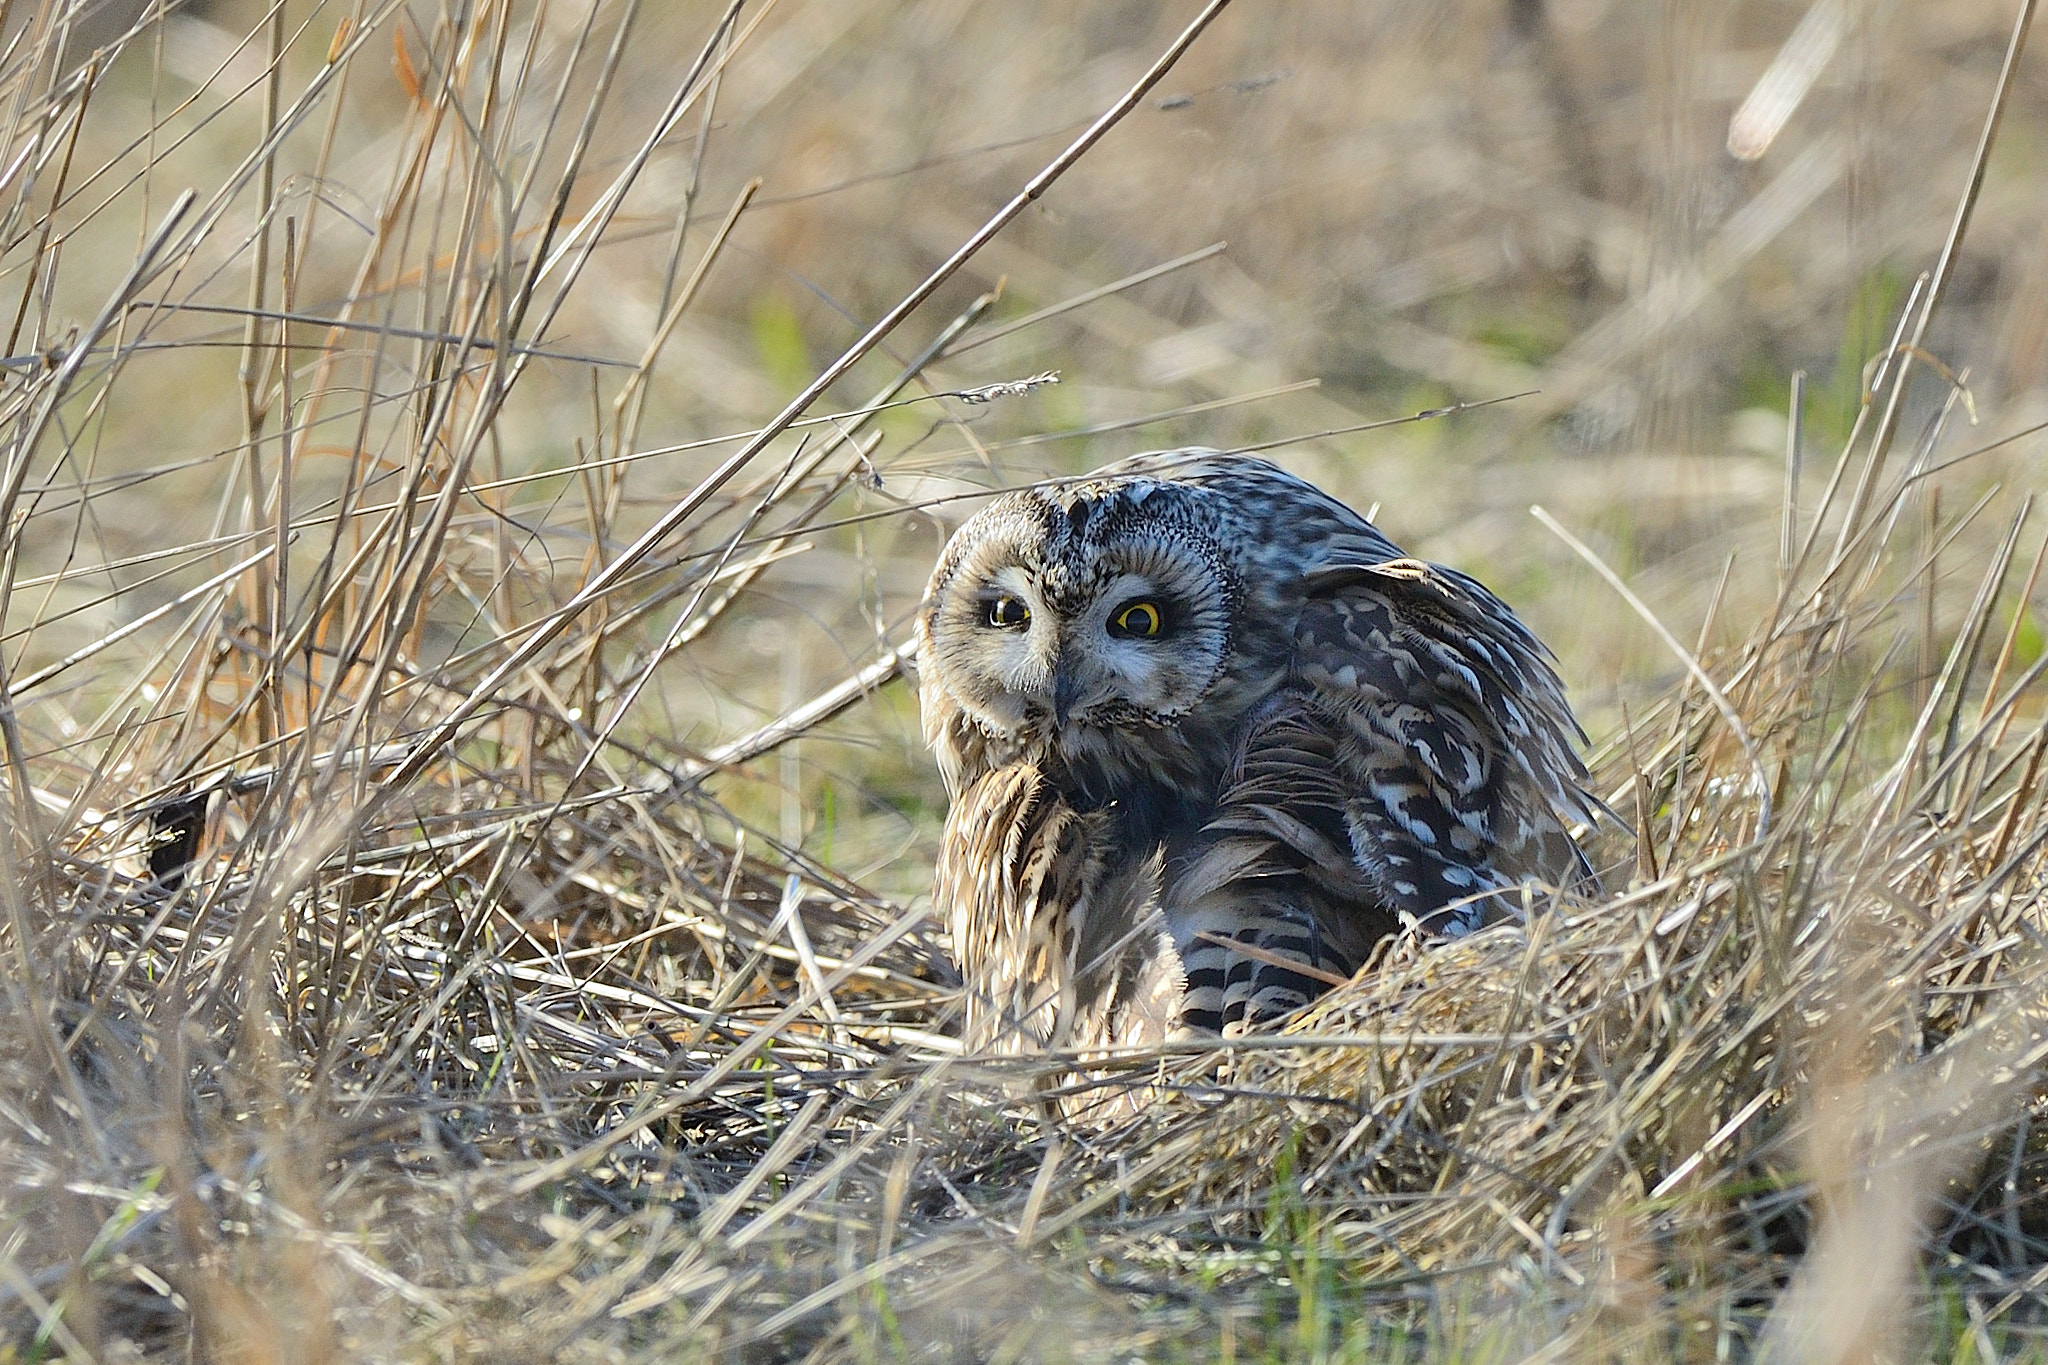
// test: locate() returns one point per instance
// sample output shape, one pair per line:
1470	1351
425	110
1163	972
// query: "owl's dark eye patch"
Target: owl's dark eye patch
1006	613
1138	619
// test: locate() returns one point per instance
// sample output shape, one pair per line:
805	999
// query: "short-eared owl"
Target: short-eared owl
1209	737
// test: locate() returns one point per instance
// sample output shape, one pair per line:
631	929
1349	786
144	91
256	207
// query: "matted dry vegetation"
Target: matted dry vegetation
465	834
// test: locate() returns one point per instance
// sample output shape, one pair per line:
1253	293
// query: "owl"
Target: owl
1208	738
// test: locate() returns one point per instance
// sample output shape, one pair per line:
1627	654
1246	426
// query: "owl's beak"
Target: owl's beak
1066	690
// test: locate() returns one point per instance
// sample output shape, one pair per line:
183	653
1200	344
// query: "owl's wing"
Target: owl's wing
1418	765
1060	949
1457	736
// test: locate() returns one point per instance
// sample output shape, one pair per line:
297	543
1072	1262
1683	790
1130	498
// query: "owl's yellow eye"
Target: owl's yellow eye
1007	613
1140	619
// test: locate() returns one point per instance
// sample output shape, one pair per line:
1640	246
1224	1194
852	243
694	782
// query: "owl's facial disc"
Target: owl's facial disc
1078	624
1120	649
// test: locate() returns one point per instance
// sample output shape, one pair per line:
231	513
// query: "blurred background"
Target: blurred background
1369	208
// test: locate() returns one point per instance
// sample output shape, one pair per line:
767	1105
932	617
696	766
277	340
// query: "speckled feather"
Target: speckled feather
1333	742
1055	952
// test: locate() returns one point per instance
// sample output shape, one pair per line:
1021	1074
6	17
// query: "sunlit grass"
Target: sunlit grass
606	1021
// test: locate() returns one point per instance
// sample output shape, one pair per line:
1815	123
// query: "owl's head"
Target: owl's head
1079	622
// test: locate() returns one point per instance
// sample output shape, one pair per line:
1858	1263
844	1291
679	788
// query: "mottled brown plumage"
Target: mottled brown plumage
1057	950
1210	737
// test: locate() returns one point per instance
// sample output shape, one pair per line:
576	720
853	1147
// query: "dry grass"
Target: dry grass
464	837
